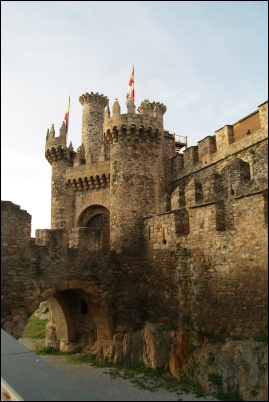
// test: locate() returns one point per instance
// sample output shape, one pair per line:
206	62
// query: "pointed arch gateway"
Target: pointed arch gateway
96	217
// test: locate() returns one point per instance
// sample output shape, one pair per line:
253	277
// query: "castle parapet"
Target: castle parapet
263	113
89	176
55	147
93	98
227	141
60	239
86	238
15	227
206	147
190	156
224	136
145	126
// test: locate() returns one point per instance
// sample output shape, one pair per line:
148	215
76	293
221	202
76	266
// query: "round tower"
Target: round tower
134	141
62	196
93	106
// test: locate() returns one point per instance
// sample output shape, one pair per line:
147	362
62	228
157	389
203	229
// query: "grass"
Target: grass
211	360
219	338
261	337
35	328
227	396
215	378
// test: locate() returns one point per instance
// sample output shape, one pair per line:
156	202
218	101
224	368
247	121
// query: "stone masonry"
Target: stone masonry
150	251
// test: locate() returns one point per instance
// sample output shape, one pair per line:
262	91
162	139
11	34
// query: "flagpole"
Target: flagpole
68	119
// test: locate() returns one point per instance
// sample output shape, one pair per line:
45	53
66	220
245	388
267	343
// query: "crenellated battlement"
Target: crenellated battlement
56	153
55	147
145	126
93	98
63	239
89	176
227	141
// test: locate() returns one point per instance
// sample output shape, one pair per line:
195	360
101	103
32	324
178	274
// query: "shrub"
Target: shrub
261	337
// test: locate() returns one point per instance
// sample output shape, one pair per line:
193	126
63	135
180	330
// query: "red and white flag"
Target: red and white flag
130	91
66	116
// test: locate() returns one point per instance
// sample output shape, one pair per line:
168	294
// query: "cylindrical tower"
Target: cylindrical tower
134	141
92	123
62	195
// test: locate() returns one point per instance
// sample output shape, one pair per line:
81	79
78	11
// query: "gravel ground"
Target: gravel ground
99	382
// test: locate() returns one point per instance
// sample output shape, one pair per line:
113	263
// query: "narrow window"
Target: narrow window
83	307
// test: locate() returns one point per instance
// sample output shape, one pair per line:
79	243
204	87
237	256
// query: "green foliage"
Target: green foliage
156	332
170	326
188	385
77	359
219	338
210	360
257	348
35	328
228	396
235	338
195	347
261	337
48	350
192	369
187	321
189	253
214	378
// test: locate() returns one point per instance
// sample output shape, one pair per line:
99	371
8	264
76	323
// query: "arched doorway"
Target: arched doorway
80	317
97	217
71	326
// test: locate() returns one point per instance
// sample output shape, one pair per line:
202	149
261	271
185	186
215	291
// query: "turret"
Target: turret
62	196
134	141
92	123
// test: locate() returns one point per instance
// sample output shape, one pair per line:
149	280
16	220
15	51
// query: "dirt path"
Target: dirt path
112	385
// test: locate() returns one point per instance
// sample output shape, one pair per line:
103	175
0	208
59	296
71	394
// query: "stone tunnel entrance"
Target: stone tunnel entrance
77	321
80	317
97	217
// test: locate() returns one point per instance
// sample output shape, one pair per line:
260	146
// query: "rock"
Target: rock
156	346
43	312
241	365
69	347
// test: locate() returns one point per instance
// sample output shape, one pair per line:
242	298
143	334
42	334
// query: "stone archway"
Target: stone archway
97	217
81	316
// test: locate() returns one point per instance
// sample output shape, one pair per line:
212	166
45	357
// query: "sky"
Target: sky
206	61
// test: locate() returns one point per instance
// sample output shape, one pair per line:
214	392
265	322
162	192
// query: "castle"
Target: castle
143	236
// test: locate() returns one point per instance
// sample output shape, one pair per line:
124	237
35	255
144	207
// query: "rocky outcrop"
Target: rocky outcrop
237	367
234	368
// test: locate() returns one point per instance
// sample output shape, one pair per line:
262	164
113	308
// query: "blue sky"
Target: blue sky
206	61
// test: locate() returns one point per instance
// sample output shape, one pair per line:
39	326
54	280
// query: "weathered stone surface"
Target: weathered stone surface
242	367
157	346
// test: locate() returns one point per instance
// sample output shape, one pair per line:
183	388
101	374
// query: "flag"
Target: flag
130	90
66	116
